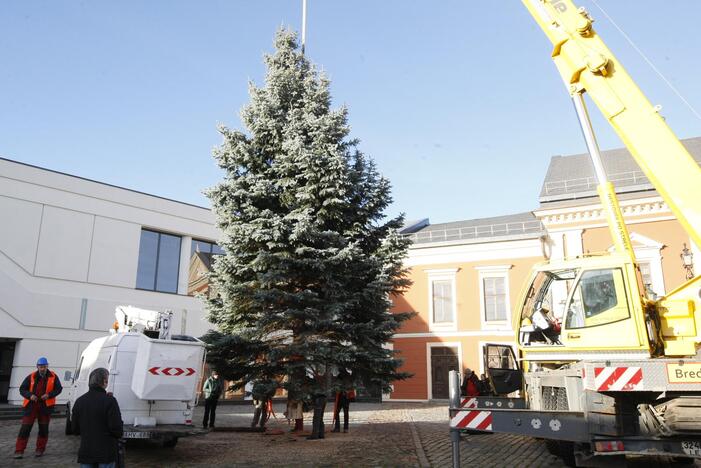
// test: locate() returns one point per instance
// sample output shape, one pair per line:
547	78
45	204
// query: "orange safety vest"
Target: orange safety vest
49	388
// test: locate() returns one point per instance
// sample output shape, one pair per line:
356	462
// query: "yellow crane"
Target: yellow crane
586	65
601	368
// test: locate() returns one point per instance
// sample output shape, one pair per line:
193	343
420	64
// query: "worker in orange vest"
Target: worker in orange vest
39	390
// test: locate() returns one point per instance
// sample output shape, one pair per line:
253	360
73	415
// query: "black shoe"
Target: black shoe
211	426
19	454
335	429
345	429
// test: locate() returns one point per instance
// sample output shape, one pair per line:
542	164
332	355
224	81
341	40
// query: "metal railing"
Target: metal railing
476	232
590	183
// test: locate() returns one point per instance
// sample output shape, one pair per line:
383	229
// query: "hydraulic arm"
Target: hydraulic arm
587	65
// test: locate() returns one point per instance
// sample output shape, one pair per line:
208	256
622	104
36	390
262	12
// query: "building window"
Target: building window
205	247
202	255
648	255
646	273
442	303
159	262
494	296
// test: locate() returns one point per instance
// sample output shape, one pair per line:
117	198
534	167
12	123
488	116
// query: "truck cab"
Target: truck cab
587	304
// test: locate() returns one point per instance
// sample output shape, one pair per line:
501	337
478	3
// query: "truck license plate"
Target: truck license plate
137	435
692	448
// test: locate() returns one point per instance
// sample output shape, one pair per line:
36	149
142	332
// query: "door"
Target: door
443	360
598	312
502	369
7	355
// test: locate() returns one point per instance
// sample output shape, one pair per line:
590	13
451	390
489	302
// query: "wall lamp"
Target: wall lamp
687	257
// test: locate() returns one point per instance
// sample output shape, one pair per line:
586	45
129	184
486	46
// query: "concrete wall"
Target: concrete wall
68	256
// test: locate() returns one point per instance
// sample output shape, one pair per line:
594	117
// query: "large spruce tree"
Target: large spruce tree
311	261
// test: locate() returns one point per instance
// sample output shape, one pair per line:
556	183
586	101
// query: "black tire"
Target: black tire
170	442
567	453
553	447
69	429
682	461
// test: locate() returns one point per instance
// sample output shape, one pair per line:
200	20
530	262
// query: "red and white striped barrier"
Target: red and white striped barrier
472	419
618	379
468	403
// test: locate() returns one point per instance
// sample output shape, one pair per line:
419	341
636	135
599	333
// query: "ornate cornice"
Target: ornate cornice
595	213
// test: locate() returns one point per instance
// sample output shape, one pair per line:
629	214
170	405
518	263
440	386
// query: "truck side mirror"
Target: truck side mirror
67	376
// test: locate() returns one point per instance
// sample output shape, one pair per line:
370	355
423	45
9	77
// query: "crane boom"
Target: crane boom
586	64
596	355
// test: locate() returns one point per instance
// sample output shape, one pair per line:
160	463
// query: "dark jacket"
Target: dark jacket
96	418
213	388
39	383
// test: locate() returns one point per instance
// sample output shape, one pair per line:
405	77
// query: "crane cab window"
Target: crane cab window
543	309
599	298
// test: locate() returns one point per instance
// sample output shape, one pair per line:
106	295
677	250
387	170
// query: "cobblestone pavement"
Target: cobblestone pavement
494	450
388	434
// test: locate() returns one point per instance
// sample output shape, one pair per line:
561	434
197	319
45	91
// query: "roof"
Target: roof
498	228
573	177
103	183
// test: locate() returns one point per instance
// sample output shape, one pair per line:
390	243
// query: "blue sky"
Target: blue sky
458	102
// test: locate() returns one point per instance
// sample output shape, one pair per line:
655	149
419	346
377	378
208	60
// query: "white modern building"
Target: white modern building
72	249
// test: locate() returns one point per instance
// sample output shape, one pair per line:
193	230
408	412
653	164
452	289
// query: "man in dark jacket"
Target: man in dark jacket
39	390
212	391
98	421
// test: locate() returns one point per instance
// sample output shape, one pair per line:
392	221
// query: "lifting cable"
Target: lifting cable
649	62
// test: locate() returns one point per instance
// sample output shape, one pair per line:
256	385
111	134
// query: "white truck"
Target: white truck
153	375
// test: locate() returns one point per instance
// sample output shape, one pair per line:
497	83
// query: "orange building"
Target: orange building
467	275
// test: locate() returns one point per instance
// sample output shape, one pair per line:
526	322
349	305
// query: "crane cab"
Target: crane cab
584	306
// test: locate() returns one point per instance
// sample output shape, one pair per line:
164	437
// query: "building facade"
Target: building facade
467	275
72	249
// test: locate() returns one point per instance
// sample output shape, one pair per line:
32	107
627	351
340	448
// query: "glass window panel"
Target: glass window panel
442	301
646	273
494	298
216	250
201	246
168	264
148	256
599	298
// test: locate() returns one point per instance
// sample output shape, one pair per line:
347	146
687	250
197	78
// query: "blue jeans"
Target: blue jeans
98	465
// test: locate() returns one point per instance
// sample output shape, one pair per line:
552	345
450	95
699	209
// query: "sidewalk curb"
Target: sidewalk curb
420	453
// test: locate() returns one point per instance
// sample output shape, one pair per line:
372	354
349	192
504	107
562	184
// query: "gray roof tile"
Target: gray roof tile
572	177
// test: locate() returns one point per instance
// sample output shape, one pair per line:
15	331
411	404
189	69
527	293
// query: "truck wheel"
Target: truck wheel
682	461
553	447
69	429
567	453
170	442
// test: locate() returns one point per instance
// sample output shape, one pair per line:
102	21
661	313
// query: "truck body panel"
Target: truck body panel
153	380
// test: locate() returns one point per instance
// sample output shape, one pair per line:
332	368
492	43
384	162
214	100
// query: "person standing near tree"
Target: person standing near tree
39	390
343	399
262	393
98	421
212	391
317	385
